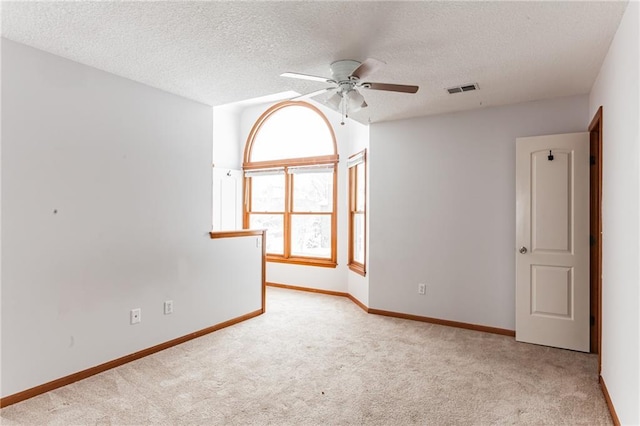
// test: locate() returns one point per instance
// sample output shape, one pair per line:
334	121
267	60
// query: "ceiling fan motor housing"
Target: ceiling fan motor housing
342	70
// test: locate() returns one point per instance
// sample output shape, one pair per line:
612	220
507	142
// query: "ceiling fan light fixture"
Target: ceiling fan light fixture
355	100
334	101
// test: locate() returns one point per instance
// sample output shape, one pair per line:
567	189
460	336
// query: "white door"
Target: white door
552	240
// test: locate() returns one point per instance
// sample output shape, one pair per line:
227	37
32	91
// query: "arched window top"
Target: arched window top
290	130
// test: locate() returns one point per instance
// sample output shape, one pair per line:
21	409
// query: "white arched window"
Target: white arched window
290	164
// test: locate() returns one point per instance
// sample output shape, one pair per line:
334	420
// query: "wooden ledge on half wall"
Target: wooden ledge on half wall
237	233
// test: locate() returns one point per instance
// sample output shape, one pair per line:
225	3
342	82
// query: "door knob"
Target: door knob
523	249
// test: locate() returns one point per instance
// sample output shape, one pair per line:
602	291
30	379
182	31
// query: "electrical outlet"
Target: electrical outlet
422	288
136	316
168	307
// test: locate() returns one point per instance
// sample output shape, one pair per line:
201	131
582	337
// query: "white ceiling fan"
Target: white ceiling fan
347	77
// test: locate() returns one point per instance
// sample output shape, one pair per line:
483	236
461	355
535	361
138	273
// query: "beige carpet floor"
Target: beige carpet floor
314	359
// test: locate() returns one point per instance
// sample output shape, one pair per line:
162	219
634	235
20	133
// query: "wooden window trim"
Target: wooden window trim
248	148
237	233
287	257
355	266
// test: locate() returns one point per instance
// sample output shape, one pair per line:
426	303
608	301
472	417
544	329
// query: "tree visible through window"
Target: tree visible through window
290	180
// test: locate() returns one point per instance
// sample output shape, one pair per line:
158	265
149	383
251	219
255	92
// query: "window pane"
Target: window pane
360	195
292	132
313	192
267	193
273	223
311	235
358	237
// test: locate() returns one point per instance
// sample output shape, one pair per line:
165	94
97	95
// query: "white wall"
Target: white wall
332	279
226	138
617	89
106	205
443	208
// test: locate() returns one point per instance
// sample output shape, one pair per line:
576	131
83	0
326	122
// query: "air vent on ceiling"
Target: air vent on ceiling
464	88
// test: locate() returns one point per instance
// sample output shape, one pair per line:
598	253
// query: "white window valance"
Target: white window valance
265	172
316	168
355	160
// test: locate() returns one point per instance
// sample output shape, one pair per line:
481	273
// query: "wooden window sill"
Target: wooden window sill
323	263
358	269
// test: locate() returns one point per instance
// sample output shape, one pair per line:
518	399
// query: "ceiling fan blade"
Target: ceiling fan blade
390	87
368	67
306	77
312	94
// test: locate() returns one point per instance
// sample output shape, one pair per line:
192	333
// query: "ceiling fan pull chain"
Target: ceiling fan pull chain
343	103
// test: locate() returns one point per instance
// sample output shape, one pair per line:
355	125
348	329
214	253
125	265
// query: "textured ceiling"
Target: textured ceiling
223	52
